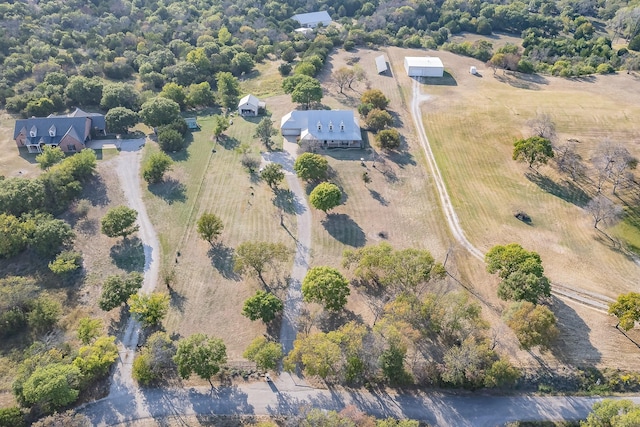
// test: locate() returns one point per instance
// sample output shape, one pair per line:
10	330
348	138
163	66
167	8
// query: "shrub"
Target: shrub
66	262
389	139
604	69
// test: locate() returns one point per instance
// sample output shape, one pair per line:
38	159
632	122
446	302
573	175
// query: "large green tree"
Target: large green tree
201	355
120	95
534	151
307	93
47	235
200	95
534	325
613	413
257	256
209	227
52	386
44	314
521	272
149	309
311	167
264	353
627	309
220	125
117	289
228	89
263	305
155	167
272	174
13	237
376	98
95	359
159	111
119	221
120	119
325	196
377	120
49	157
326	286
174	92
264	131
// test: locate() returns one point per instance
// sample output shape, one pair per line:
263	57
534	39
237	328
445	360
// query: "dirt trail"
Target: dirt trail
128	170
592	300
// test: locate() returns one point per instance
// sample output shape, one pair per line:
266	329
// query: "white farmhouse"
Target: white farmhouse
324	128
423	66
313	19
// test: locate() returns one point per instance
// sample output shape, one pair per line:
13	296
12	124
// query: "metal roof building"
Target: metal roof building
423	66
313	19
381	64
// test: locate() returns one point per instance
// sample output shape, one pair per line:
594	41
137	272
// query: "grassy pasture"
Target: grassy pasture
208	295
472	127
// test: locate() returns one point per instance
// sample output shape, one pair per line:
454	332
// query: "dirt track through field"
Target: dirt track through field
128	170
592	300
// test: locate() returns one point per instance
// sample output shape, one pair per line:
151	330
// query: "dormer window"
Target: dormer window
33	132
341	126
319	127
330	127
52	131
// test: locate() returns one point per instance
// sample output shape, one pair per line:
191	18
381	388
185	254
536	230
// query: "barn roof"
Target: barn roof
424	61
381	64
312	17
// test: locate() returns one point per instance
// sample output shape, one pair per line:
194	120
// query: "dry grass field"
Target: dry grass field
472	123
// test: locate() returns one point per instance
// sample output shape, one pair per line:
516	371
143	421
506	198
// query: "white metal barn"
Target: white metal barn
423	66
313	19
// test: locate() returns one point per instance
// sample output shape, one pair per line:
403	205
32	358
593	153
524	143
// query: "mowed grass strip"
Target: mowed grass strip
207	295
472	130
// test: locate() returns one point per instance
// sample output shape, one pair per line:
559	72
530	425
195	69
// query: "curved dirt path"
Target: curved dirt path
592	300
128	170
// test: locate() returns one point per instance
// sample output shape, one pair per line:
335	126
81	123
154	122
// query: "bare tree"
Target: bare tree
569	161
543	125
603	210
622	163
603	161
343	77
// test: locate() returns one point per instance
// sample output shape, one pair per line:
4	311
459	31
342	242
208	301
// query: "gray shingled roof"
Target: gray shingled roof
75	126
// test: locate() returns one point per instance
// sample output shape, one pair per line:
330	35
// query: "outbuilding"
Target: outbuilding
250	106
313	19
423	66
381	64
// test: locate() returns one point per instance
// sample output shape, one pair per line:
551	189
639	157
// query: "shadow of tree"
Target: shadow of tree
521	80
184	154
221	257
344	229
228	142
95	190
566	190
129	254
87	226
330	321
177	300
577	351
170	190
401	158
379	197
285	200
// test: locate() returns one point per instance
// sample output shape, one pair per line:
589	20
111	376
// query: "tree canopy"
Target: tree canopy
201	355
154	169
263	305
257	256
264	353
627	309
209	227
534	325
117	289
159	111
521	272
272	174
325	196
326	286
534	151
149	309
119	222
311	167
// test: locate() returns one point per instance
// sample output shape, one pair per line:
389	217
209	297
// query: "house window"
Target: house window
33	132
71	148
319	127
330	127
52	131
341	126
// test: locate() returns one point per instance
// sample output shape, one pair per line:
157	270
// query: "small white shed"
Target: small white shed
423	66
249	106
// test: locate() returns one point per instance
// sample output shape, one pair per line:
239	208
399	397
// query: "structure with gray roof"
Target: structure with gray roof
313	19
324	128
69	132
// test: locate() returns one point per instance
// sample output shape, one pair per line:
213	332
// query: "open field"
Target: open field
208	294
472	123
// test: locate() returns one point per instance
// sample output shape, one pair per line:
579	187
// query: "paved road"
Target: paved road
260	398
